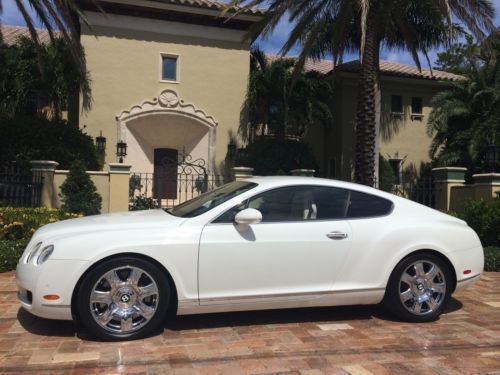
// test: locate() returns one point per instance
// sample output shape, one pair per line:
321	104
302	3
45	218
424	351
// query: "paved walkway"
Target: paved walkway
353	340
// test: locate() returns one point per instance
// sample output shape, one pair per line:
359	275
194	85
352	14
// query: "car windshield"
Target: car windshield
207	201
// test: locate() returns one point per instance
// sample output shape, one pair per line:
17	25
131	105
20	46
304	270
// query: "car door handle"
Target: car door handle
336	235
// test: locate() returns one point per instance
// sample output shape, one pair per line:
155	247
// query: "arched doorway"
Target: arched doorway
161	134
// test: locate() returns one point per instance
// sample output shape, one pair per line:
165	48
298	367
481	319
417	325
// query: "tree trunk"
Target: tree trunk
364	165
74	95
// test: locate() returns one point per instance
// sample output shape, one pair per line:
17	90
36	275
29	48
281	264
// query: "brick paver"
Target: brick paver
337	340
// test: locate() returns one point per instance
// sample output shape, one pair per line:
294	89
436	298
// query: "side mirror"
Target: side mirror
248	216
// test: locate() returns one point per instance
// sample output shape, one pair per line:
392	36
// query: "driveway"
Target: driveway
345	340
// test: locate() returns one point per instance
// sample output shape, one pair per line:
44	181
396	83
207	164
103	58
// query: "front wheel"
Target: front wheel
419	288
123	298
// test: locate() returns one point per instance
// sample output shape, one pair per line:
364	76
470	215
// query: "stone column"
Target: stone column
486	186
119	175
445	179
240	173
46	169
303	172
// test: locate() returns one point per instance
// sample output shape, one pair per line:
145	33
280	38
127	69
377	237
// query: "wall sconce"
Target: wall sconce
231	150
491	156
121	150
100	143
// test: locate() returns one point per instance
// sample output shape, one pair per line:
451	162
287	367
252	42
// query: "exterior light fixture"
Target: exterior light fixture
100	143
231	150
121	150
491	156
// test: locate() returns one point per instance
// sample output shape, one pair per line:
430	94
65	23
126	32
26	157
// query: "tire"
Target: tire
419	288
123	299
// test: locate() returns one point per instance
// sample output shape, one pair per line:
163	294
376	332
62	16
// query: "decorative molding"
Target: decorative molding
167	101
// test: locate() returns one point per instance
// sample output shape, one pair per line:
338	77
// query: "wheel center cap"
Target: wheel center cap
420	286
125	298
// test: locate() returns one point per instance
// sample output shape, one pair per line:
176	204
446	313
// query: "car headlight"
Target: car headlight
32	252
45	254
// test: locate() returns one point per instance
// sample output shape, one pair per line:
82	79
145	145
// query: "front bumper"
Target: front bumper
54	277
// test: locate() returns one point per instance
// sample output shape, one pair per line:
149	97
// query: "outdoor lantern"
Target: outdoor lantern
121	150
100	143
491	156
231	150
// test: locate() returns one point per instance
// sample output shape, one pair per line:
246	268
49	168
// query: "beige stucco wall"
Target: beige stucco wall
124	64
406	137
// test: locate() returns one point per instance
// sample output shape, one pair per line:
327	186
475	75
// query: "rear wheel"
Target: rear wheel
123	298
419	288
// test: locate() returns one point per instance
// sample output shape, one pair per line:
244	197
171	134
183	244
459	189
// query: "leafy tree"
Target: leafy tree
78	192
25	89
339	26
272	105
385	175
26	138
466	118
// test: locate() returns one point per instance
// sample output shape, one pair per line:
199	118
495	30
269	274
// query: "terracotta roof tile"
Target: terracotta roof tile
390	68
10	34
320	66
213	4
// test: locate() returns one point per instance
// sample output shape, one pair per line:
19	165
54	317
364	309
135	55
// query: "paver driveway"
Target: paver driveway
355	340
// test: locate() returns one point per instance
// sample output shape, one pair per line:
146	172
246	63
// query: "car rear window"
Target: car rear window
367	205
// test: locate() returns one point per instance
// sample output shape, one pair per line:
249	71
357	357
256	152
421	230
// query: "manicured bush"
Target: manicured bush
10	252
269	156
35	138
484	217
79	193
492	259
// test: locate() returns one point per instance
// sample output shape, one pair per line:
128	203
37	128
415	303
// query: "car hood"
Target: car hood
120	221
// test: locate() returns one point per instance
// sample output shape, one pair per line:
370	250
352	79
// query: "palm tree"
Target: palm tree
338	26
466	118
273	108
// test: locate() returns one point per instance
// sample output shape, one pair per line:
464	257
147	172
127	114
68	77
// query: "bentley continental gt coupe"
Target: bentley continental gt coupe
260	243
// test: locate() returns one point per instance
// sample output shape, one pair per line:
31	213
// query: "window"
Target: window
363	205
207	201
416	108
169	69
295	203
396	104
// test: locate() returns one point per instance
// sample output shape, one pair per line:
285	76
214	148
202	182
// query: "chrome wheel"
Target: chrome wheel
422	287
124	299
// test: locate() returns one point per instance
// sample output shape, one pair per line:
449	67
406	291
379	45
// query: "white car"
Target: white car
261	243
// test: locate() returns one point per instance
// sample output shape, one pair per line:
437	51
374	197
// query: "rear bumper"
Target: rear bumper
54	277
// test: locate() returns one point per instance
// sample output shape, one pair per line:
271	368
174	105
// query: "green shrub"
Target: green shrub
267	156
492	259
484	217
386	175
21	223
142	202
10	252
78	192
35	138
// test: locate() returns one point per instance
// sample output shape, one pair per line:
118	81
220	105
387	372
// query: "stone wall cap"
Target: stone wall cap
242	169
497	175
43	165
449	169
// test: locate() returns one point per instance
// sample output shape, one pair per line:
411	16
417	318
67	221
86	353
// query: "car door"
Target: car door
296	251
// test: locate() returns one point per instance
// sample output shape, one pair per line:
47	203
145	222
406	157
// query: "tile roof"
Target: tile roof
213	4
320	66
390	68
10	34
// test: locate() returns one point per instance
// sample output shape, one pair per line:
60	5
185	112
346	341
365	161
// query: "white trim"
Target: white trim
177	67
164	27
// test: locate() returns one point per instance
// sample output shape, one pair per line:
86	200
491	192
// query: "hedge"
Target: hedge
492	259
10	252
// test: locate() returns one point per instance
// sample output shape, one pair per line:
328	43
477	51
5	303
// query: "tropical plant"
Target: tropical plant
465	118
25	89
274	108
26	138
78	192
338	26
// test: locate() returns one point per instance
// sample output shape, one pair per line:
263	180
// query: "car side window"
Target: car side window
366	205
295	203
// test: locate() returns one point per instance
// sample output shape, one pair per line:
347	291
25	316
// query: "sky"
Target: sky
271	44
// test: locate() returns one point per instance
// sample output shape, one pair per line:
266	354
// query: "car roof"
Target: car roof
301	180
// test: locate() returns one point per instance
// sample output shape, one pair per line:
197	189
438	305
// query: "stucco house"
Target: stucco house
169	80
